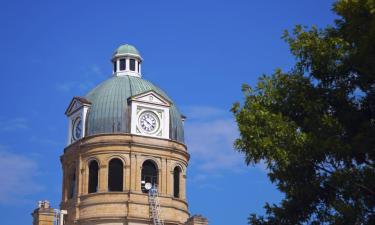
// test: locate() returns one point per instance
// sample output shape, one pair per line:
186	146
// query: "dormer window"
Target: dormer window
132	64
122	64
77	114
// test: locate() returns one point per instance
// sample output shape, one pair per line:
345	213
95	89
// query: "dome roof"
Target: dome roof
109	111
126	49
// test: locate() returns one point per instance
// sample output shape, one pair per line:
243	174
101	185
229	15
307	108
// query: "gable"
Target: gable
151	97
76	104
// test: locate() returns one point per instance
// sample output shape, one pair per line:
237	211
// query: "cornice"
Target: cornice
130	141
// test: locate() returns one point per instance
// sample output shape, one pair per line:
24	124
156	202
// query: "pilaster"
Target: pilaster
183	186
103	178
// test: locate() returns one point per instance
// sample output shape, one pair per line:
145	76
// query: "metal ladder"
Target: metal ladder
59	216
155	206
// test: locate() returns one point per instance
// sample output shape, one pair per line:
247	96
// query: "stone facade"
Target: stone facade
197	220
131	205
44	214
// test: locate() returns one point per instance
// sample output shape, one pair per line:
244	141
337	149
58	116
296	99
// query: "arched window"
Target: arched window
115	175
72	184
93	176
149	174
176	182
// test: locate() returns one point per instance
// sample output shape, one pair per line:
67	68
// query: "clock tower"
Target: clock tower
125	161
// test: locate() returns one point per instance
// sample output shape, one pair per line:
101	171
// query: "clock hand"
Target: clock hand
148	120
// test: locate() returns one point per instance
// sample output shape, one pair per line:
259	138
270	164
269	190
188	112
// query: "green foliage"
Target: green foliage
314	127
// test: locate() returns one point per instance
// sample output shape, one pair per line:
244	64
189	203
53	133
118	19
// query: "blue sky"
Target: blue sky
199	52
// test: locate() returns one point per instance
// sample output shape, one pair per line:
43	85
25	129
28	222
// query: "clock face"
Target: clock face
77	129
148	122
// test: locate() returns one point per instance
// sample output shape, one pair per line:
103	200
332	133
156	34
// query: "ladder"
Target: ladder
59	216
155	206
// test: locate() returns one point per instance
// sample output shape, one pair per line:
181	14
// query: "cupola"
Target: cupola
126	61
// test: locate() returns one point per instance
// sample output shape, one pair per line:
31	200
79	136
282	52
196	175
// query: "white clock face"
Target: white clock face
77	129
148	122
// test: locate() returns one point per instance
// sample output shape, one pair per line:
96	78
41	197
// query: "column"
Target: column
103	178
126	185
117	65
137	173
164	175
127	64
183	185
133	172
137	66
64	195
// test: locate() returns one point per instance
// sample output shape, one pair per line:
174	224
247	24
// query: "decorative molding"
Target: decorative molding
151	97
78	108
158	106
75	104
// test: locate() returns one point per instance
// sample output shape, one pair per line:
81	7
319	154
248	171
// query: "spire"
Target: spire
126	61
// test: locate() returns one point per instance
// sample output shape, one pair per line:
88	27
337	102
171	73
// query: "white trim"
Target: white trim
154	113
127	71
151	97
80	111
162	111
118	55
69	131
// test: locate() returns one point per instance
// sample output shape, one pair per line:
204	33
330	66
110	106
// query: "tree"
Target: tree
314	126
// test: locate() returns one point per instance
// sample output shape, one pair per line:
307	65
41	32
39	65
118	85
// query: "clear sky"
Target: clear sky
199	52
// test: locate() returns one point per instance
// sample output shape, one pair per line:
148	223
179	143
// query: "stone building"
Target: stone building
125	161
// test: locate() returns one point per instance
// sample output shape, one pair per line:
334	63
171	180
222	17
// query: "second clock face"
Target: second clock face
77	129
148	122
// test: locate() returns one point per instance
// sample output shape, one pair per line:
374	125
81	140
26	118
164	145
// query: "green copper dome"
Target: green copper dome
110	113
126	49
